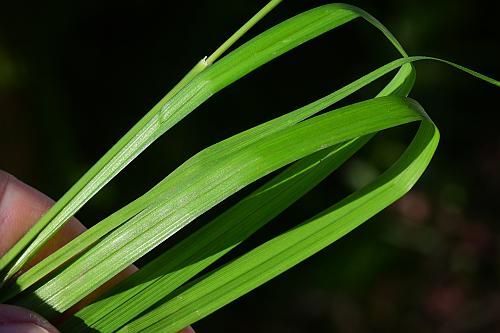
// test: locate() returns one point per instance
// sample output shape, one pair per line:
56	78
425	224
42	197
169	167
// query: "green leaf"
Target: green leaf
123	152
207	294
186	96
227	147
158	278
196	189
189	257
88	238
322	142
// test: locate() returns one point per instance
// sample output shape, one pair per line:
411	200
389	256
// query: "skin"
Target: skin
20	207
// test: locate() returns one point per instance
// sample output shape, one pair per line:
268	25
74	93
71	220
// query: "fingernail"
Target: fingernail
21	328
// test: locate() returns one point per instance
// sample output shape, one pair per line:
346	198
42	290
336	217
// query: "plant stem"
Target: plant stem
241	31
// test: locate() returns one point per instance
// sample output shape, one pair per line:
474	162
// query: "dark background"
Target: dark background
75	75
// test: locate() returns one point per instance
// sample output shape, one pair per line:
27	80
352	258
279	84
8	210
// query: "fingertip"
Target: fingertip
14	319
20	208
21	328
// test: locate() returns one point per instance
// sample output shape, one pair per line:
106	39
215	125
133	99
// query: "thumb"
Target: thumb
14	319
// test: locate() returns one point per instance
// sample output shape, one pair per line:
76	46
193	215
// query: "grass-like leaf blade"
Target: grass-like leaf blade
223	285
209	184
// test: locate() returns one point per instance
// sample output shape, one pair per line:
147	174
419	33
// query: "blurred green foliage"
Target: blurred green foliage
74	76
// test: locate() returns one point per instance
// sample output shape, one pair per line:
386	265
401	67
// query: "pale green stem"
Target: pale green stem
241	31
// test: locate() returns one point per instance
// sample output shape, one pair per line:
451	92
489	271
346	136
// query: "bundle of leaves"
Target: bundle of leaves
300	148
